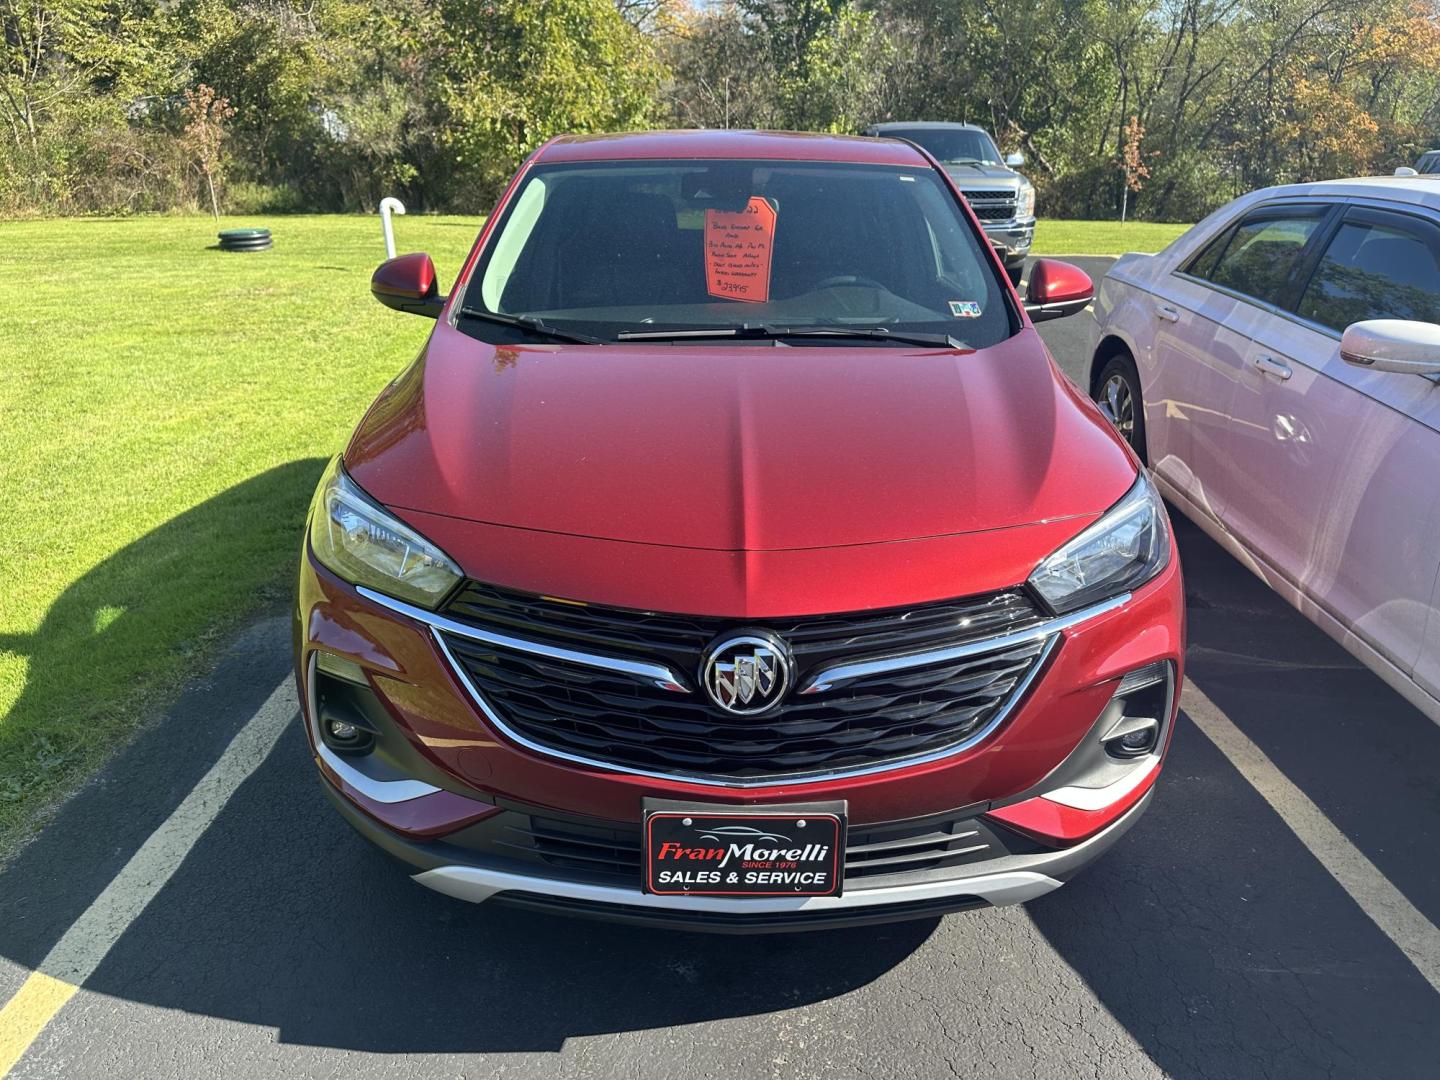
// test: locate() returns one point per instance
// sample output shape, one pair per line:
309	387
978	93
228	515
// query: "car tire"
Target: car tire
1117	392
1015	271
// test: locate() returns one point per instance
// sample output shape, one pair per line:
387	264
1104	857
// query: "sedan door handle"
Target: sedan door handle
1168	313
1270	366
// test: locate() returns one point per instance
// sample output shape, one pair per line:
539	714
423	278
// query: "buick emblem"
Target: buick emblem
747	674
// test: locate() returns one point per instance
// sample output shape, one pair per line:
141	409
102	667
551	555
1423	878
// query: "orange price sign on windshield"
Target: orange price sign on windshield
738	246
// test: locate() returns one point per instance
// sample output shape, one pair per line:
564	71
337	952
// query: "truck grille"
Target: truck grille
991	205
612	718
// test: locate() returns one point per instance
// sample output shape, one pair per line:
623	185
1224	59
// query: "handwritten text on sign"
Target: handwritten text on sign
738	245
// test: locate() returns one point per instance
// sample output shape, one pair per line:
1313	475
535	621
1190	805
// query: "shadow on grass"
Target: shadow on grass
135	626
280	916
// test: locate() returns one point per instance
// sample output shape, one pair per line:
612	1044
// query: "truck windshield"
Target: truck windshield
951	146
759	249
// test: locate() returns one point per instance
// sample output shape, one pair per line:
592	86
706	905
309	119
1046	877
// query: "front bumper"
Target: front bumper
1008	879
1011	238
446	768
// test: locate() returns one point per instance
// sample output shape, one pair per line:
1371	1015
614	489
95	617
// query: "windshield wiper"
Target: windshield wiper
753	332
535	326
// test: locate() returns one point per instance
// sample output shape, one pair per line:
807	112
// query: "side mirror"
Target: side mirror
407	283
1015	160
1057	289
1408	348
1406	170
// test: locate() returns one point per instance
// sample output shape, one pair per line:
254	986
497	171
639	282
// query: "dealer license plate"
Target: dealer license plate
744	853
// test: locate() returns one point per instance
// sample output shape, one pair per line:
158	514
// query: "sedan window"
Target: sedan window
1262	254
1373	271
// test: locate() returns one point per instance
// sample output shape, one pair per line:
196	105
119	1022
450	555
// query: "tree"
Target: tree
205	118
1132	162
517	72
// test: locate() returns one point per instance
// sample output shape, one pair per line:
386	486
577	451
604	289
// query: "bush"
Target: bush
249	197
92	161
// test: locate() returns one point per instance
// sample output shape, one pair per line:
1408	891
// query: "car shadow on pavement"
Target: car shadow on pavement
153	586
1211	932
281	916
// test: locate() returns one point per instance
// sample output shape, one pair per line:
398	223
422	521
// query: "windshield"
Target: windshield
620	250
951	145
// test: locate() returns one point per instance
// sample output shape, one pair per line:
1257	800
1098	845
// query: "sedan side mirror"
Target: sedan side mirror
1015	160
1057	289
408	283
1409	348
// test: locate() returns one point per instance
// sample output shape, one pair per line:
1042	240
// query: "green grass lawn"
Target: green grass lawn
165	410
1102	237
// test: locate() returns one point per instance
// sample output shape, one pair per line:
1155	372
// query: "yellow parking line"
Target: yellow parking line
26	1014
87	942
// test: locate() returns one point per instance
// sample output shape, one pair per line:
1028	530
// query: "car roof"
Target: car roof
1422	190
908	125
765	145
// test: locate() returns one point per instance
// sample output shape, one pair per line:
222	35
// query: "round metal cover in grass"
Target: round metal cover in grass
245	240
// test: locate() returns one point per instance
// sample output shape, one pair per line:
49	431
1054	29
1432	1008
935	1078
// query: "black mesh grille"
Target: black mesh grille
613	851
991	205
616	719
1002	212
679	639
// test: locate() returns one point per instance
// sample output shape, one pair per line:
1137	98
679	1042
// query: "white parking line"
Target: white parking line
1415	935
79	952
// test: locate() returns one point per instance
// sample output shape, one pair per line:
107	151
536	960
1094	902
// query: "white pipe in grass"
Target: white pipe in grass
389	205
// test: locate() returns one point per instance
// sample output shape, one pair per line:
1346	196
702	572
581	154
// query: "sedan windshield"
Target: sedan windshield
801	253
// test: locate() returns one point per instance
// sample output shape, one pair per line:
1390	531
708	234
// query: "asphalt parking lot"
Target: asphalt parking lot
1272	915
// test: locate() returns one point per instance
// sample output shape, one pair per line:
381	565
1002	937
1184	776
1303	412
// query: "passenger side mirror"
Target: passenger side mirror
1408	348
1057	289
408	283
1015	160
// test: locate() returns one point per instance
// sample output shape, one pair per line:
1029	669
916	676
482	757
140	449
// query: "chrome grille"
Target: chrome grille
995	205
876	719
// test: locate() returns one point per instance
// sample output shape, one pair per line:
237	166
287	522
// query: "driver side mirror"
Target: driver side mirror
1015	160
408	283
1408	348
1057	289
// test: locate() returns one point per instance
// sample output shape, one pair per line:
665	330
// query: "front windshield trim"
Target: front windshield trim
474	293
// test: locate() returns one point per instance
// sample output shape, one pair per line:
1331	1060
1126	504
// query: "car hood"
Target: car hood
980	177
738	447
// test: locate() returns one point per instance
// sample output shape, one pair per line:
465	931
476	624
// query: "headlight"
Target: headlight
361	542
1123	550
1027	201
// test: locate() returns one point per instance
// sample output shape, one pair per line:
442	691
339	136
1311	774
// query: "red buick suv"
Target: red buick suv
734	556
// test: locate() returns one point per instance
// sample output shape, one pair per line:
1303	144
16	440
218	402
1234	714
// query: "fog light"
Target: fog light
343	730
1141	707
1138	742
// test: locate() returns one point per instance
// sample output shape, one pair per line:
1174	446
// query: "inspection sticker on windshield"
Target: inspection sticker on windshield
965	309
737	251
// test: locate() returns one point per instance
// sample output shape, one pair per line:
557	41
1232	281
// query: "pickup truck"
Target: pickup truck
1002	199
